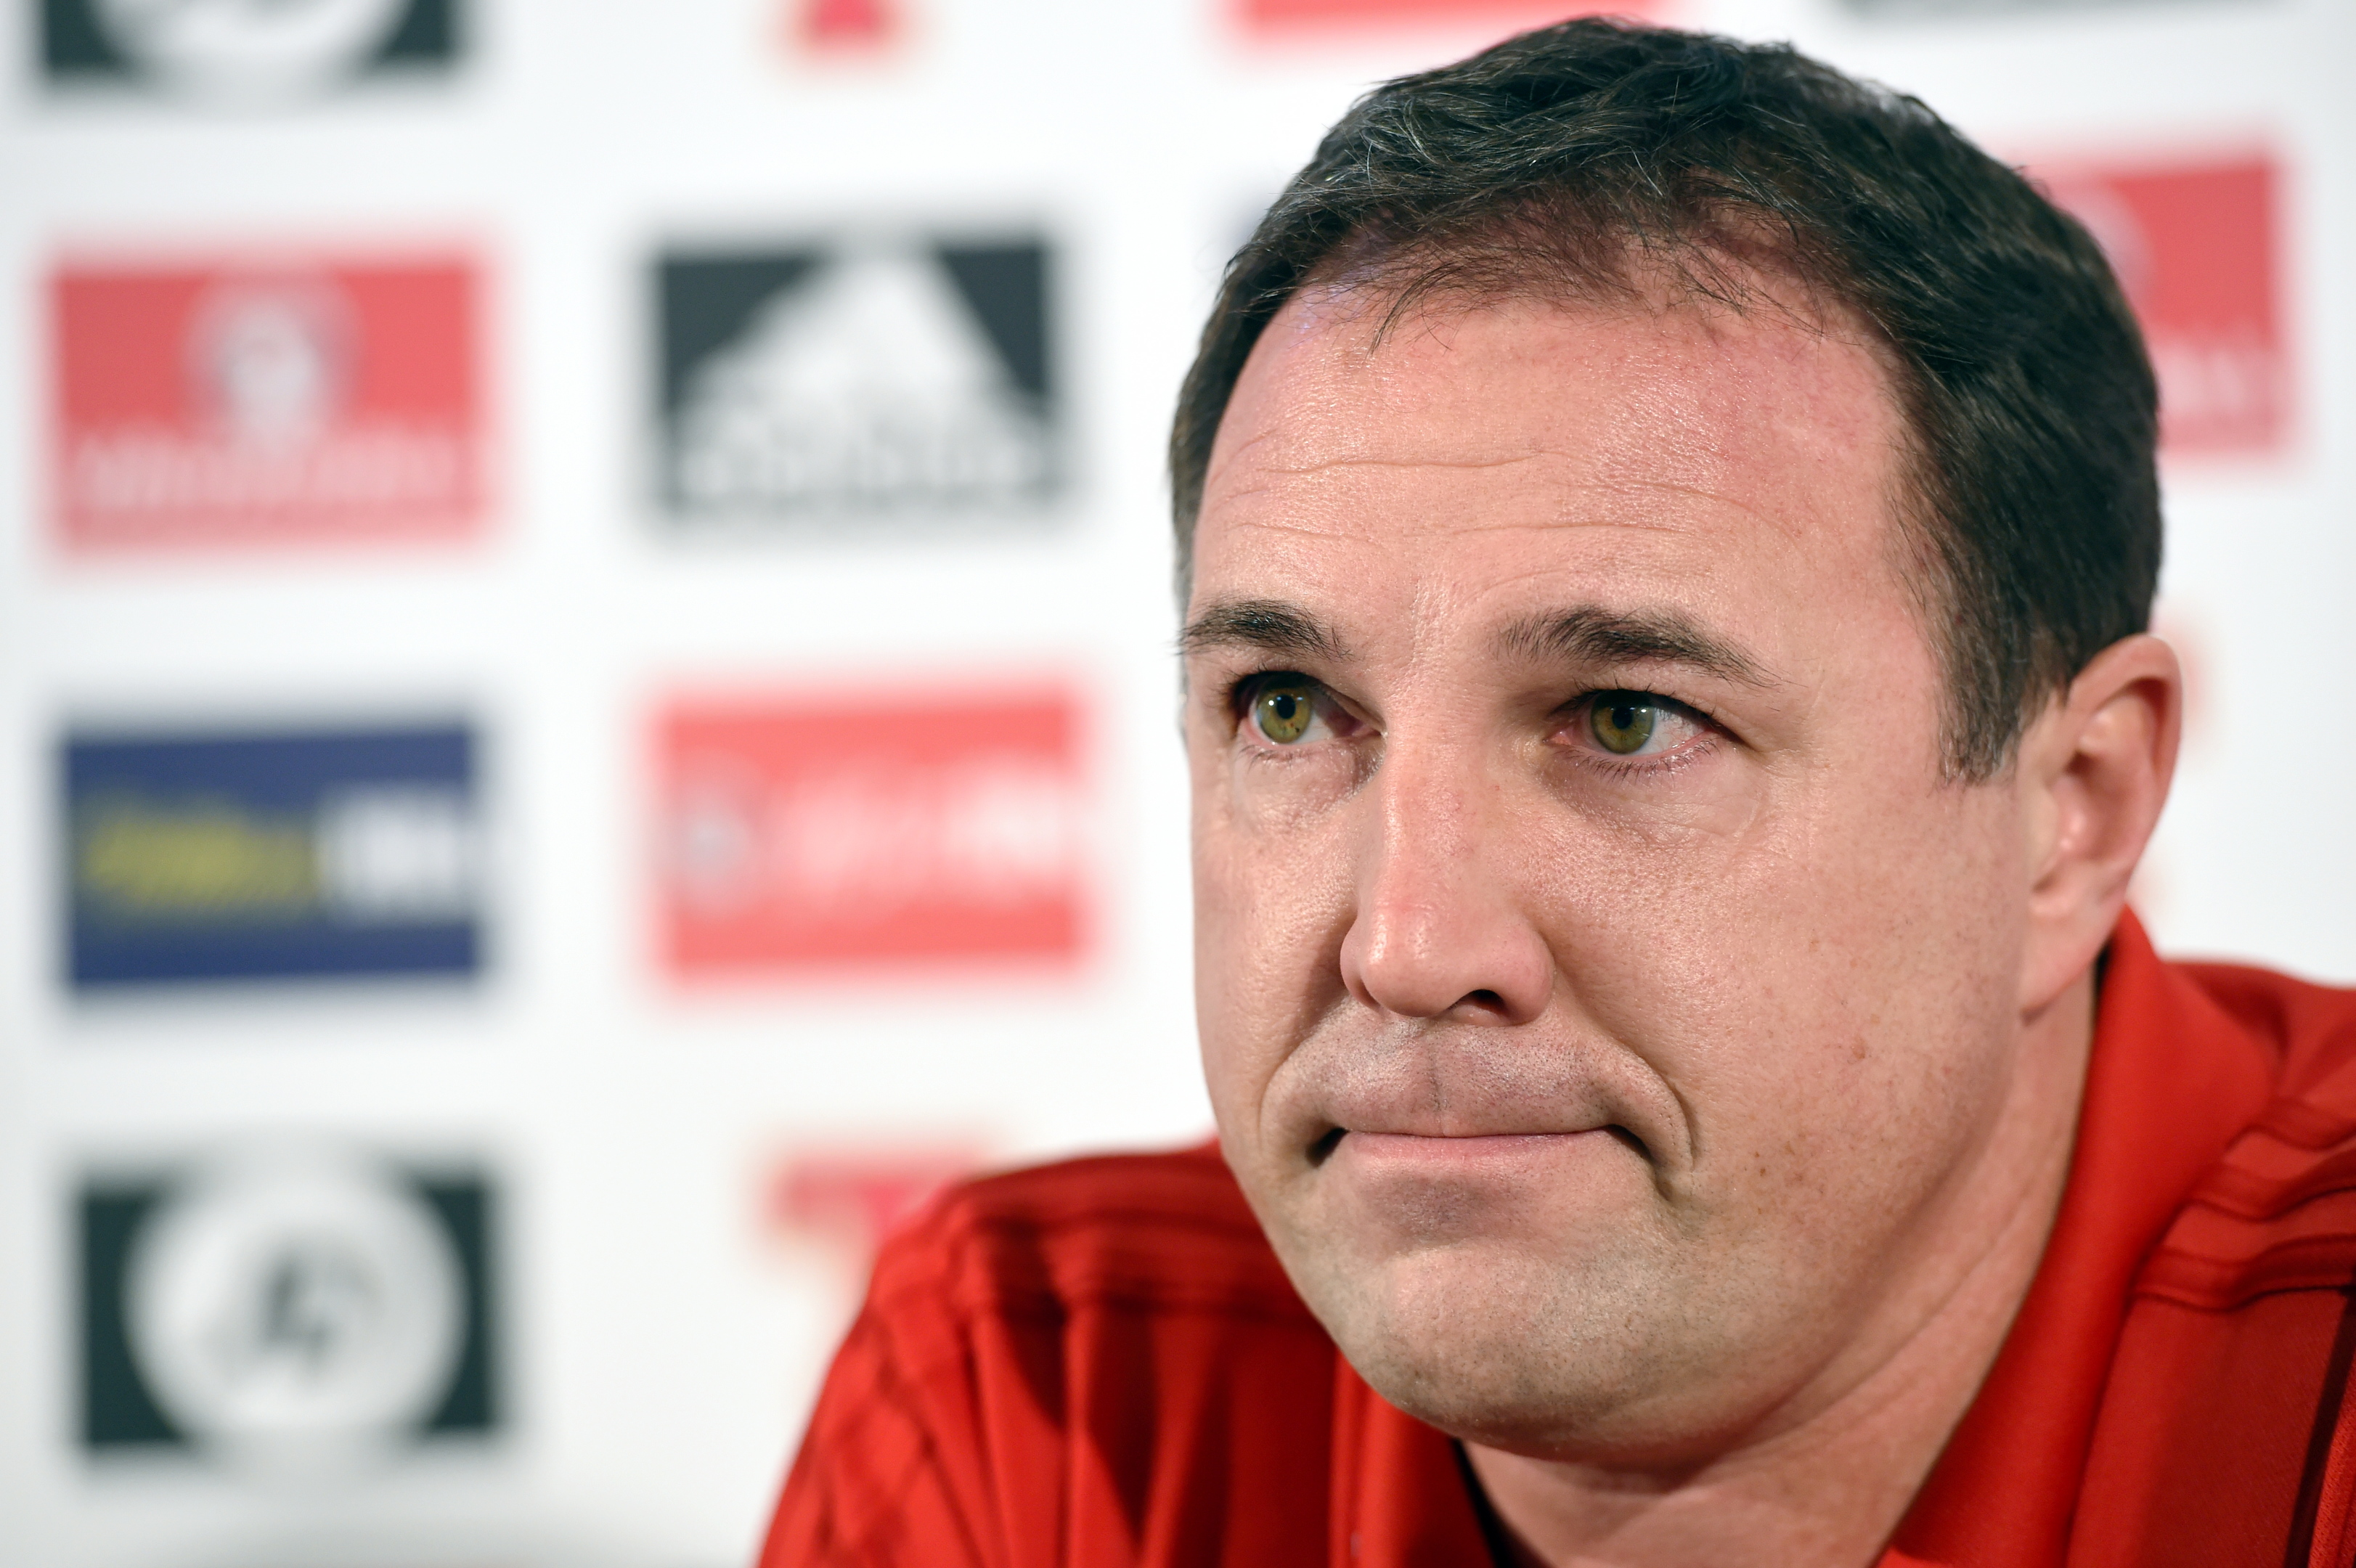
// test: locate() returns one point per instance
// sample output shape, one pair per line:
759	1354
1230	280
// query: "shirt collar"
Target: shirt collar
2169	1081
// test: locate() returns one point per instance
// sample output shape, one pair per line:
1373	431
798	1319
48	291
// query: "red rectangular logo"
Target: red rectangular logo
851	830
251	404
844	26
856	1196
2195	246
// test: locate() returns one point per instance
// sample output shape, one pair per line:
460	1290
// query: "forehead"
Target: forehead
1467	449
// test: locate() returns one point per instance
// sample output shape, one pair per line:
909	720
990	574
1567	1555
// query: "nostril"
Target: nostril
1489	999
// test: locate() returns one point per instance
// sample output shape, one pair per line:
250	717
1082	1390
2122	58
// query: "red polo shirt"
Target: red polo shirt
1099	1364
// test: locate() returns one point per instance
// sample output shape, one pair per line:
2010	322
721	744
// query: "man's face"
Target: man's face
1606	1004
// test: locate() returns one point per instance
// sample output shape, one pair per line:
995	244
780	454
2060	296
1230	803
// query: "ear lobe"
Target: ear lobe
2095	768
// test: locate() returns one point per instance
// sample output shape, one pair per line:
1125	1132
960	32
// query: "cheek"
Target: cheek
1270	911
1804	1001
1816	915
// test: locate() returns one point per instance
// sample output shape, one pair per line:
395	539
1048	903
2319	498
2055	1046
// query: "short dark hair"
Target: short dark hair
1580	160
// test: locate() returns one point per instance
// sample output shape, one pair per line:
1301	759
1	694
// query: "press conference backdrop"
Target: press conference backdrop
586	711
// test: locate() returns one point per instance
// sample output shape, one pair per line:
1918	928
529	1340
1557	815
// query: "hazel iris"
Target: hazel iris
1624	720
1282	710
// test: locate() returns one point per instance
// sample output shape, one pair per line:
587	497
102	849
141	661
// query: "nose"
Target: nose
1439	929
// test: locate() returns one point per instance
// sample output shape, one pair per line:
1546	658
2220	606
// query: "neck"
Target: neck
1830	1487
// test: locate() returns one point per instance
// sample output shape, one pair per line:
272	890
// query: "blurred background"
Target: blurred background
585	700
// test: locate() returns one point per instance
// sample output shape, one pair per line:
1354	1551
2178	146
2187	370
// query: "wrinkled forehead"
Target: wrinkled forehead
1663	377
1633	445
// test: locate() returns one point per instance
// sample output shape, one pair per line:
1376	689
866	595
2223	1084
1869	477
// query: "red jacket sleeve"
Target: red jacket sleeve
869	1487
1096	1364
933	1443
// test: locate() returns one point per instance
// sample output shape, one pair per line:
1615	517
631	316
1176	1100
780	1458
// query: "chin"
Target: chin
1496	1346
1486	1342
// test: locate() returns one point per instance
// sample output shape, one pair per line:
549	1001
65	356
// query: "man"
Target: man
1667	536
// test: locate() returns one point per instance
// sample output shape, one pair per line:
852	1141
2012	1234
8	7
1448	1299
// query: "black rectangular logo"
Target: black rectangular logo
857	382
240	54
1926	10
293	1309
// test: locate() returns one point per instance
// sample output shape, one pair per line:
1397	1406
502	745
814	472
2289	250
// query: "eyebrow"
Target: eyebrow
1589	634
1585	634
1271	625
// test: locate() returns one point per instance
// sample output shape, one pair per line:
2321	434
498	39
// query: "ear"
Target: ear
2093	773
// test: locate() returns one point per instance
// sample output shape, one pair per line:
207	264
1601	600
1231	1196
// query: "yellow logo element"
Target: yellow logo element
196	860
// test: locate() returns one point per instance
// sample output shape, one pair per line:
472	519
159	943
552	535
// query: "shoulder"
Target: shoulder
2226	1424
1049	1357
1158	1233
2279	1210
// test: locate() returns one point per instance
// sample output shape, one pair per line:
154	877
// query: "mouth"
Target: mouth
1436	1149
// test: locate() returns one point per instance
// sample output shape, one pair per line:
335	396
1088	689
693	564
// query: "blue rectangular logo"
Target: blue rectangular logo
302	854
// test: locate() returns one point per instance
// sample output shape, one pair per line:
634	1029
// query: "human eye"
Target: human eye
1287	709
1635	727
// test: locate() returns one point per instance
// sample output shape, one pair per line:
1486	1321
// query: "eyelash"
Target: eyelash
1240	692
1711	735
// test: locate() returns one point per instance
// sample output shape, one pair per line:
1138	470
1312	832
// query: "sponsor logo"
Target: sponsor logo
844	26
248	856
1907	9
287	1311
857	383
1493	17
238	53
853	1198
2195	246
231	404
815	833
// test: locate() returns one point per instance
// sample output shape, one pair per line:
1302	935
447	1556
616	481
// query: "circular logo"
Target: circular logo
716	842
249	51
271	362
296	1309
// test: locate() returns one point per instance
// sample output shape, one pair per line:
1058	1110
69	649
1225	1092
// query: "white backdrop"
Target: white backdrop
472	1161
